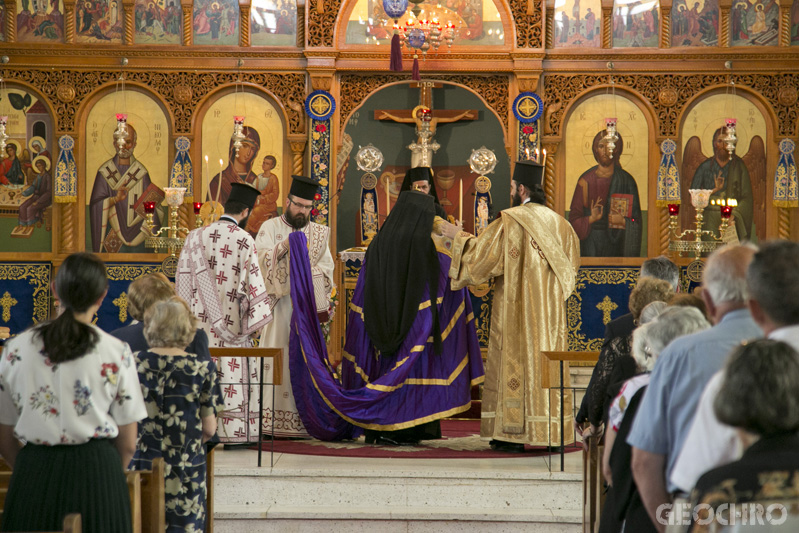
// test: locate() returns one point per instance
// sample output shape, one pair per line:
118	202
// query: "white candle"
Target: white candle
527	153
207	177
388	197
544	162
460	201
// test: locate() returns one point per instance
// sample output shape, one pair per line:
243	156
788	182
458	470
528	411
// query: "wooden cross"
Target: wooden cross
606	306
7	302
425	118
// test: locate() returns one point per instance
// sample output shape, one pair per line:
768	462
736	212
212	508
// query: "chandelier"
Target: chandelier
419	33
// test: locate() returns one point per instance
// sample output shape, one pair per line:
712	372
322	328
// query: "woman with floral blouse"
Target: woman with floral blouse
70	393
183	397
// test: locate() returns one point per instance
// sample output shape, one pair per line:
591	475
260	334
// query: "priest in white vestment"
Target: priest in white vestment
272	243
219	277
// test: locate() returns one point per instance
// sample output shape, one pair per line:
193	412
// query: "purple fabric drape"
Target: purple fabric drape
384	393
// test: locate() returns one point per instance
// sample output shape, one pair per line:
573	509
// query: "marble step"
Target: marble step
329	490
241	519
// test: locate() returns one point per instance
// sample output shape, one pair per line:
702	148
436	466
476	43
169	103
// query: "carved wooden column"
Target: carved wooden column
785	25
607	23
724	22
69	21
129	12
244	9
549	172
665	23
69	228
784	222
11	20
297	143
550	24
300	23
188	21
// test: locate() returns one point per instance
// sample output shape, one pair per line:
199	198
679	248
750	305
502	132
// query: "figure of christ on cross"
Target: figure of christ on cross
426	120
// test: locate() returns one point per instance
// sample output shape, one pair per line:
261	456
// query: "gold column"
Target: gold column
549	173
663	229
129	12
244	8
297	152
785	23
300	27
550	24
69	221
607	23
665	23
188	18
69	21
724	22
784	223
11	20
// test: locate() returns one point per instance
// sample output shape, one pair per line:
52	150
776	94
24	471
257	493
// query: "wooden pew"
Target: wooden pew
147	498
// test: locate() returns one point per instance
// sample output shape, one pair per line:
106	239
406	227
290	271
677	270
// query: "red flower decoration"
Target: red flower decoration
321	128
109	369
317	196
314	212
527	129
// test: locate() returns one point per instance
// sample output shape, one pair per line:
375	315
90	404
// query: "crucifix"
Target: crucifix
426	120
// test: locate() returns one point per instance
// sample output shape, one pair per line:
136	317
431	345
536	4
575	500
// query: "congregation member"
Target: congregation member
773	285
403	310
182	395
142	294
219	277
71	392
533	255
681	372
272	243
759	398
620	328
623	509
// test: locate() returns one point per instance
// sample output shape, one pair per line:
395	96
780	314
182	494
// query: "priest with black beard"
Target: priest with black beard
272	244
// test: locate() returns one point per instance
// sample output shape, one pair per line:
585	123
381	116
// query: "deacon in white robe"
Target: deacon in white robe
272	243
218	275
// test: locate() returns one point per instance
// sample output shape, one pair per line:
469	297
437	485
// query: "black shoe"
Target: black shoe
509	447
239	445
388	441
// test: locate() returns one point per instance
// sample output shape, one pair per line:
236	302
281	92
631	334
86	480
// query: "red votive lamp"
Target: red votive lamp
149	207
674	210
726	211
197	206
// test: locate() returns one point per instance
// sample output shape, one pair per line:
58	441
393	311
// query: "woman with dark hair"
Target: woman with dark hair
71	392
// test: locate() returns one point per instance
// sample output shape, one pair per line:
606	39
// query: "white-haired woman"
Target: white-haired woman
182	395
623	507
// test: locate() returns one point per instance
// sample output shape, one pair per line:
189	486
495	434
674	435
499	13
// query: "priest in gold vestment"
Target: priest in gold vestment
533	254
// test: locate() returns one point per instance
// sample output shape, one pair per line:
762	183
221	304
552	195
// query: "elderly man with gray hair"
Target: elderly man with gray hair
773	282
683	370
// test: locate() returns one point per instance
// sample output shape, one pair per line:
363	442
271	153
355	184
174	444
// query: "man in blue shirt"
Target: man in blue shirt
681	373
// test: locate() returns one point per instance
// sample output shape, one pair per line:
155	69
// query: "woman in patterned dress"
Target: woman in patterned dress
183	397
71	392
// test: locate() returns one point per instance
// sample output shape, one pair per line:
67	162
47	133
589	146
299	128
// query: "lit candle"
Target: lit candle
460	202
219	184
388	198
537	155
149	207
544	162
207	177
197	206
527	153
674	210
